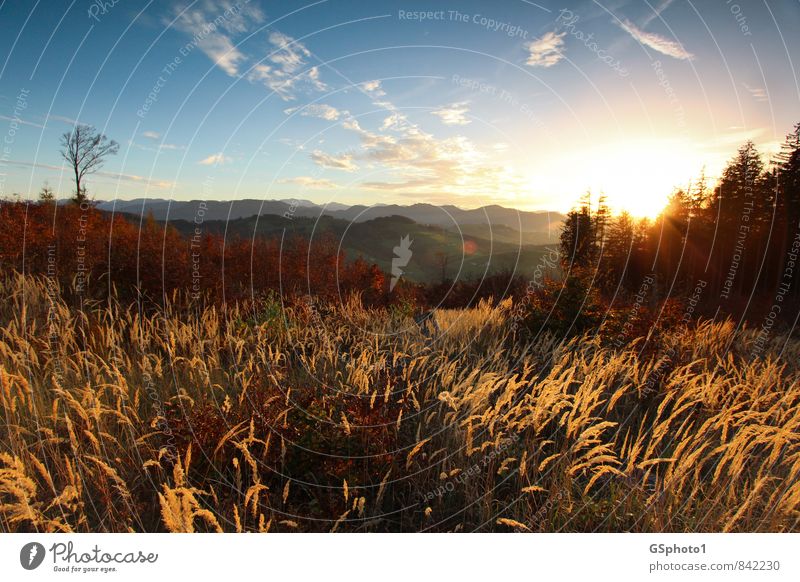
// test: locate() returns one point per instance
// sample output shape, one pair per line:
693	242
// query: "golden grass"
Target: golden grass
355	420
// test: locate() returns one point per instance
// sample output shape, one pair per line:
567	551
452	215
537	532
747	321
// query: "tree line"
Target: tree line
738	239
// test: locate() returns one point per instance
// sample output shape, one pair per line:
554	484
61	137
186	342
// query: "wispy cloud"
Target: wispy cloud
547	50
214	26
406	185
735	136
211	25
758	93
657	12
453	114
418	163
215	159
162	184
62	119
155	136
20	121
343	162
411	161
321	111
158	147
286	69
311	182
221	50
656	42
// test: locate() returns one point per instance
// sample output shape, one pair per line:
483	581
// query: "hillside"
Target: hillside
538	227
467	256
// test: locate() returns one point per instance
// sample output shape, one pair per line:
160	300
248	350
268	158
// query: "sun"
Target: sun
640	176
637	176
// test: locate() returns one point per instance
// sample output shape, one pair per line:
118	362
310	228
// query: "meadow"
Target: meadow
339	417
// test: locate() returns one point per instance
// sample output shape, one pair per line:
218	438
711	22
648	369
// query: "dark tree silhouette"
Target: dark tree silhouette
46	193
787	201
578	244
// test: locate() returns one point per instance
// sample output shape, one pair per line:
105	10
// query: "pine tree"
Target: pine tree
46	193
618	253
736	210
787	200
578	248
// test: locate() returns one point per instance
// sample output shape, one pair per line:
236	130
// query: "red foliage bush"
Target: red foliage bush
89	252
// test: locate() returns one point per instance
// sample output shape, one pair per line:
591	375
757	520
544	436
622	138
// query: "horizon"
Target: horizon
522	105
67	199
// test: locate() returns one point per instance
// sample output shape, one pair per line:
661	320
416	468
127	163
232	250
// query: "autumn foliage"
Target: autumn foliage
92	254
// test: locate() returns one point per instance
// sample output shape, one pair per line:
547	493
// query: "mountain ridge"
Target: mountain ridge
545	223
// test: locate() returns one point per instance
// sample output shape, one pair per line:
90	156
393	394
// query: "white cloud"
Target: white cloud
310	182
657	42
210	26
215	159
417	163
151	135
343	162
394	121
453	114
282	71
291	54
546	51
321	111
213	26
373	88
412	162
352	125
221	50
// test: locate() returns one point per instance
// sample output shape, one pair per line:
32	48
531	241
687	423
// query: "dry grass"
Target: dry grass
355	420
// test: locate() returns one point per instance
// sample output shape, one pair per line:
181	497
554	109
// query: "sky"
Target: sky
517	103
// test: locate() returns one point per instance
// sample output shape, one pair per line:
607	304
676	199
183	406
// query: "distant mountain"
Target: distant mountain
449	216
465	255
309	204
201	209
506	234
493	222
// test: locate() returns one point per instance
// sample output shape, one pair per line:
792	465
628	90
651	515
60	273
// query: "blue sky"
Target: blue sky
517	103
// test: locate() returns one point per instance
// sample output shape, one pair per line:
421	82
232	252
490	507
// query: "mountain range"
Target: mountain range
446	241
490	222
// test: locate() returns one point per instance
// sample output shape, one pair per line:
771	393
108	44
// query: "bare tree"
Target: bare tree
85	150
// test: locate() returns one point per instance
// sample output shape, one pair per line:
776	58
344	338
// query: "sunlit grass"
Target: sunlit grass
358	420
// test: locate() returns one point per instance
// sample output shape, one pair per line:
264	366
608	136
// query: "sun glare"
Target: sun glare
636	176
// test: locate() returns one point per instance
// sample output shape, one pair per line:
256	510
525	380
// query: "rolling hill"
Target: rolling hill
488	222
464	256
